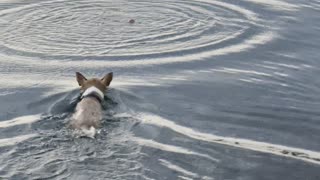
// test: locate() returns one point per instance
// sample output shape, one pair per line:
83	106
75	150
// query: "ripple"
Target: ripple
280	150
14	140
178	169
20	120
99	30
36	62
170	148
276	4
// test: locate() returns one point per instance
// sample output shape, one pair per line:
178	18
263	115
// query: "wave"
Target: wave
280	150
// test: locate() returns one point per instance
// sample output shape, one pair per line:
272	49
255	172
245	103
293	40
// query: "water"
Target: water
202	89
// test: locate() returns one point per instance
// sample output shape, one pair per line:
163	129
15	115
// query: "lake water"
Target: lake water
202	89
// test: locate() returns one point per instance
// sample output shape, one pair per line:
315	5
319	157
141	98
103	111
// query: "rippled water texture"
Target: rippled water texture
202	89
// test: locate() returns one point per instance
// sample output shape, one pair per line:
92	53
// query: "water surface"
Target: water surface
202	89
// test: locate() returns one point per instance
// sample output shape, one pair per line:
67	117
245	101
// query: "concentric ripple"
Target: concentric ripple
100	29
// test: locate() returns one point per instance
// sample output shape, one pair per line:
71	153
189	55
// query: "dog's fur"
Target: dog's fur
88	113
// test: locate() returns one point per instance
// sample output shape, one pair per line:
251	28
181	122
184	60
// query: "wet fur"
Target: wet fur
88	112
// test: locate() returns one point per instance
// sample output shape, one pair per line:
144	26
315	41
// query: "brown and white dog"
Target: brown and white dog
88	114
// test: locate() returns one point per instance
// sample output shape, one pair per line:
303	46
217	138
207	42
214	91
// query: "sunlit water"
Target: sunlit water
202	89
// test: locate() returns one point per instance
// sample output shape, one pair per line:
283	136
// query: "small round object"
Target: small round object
131	21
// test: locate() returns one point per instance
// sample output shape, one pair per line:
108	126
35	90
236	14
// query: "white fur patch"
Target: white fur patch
89	132
93	90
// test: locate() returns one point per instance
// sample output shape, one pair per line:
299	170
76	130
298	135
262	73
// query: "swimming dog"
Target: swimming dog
88	113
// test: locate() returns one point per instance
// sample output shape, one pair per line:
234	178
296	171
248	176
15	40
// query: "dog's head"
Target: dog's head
101	84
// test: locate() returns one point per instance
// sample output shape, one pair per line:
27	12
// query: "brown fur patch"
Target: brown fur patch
100	84
93	82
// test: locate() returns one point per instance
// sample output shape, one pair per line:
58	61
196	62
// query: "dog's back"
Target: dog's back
88	114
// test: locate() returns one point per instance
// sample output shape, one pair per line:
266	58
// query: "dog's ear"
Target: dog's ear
80	78
106	80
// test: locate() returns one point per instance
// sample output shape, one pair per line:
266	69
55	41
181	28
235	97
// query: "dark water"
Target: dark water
203	89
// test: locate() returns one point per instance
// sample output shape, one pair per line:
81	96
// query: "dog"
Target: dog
88	112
